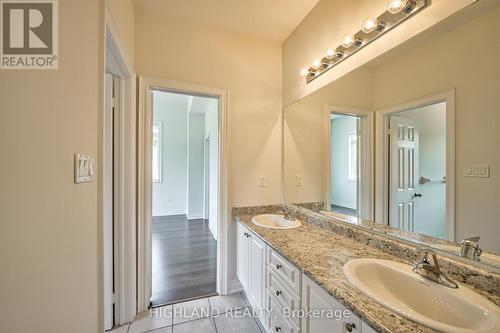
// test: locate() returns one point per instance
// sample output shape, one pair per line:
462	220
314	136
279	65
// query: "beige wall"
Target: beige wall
49	236
306	136
325	25
250	69
444	63
122	18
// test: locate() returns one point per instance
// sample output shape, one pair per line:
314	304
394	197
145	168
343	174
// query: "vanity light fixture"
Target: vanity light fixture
347	41
330	54
370	25
397	6
397	12
316	64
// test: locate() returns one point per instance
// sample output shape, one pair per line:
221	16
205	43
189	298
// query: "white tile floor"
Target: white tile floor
218	314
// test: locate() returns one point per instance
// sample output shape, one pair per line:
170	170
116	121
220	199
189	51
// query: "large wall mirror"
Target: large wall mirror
409	144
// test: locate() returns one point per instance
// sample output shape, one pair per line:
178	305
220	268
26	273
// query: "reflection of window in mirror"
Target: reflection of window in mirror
353	156
156	153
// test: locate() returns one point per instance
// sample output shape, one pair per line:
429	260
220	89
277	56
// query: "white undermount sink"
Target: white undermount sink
398	288
275	221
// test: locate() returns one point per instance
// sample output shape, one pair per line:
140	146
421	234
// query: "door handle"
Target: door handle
417	195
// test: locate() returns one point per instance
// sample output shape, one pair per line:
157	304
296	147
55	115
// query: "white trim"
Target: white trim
366	190
234	286
146	84
195	216
173	212
125	185
107	201
381	157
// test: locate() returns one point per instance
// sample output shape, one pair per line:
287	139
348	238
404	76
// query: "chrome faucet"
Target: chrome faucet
288	215
430	270
469	248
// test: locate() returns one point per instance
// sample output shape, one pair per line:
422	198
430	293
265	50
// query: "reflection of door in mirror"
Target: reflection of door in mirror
344	164
417	167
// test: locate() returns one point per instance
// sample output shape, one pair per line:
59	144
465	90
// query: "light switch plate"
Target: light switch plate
262	181
84	168
477	171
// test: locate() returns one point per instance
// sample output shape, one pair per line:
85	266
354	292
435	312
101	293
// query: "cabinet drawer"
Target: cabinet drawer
276	322
314	297
287	272
282	293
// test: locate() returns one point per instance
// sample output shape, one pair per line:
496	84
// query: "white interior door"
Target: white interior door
403	173
108	204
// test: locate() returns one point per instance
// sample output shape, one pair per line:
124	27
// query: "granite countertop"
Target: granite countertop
321	254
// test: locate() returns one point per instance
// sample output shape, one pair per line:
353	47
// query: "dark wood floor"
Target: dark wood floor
343	210
184	260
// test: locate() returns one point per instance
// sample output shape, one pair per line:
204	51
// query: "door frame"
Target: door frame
366	187
144	186
382	155
124	201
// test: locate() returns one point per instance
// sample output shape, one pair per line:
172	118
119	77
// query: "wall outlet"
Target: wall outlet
477	171
298	180
262	181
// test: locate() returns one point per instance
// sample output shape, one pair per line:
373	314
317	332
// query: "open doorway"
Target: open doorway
349	189
184	161
344	164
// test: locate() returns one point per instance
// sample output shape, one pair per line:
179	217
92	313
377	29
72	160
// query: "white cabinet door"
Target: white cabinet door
333	319
243	261
257	280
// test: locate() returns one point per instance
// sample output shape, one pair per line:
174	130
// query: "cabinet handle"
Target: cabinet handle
248	235
278	266
277	329
278	292
245	234
350	326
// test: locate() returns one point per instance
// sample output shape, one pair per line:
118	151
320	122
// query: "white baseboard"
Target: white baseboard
195	216
234	286
171	212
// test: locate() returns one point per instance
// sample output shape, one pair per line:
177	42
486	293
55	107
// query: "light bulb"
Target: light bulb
330	53
369	25
347	41
316	64
304	72
396	6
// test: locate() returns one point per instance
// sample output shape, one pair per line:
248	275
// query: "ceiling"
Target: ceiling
267	19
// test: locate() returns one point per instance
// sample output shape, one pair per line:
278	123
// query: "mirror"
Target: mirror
408	144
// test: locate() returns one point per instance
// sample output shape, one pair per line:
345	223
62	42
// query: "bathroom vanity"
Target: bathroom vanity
273	283
286	270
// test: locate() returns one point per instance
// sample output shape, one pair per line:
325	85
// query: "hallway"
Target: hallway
184	259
